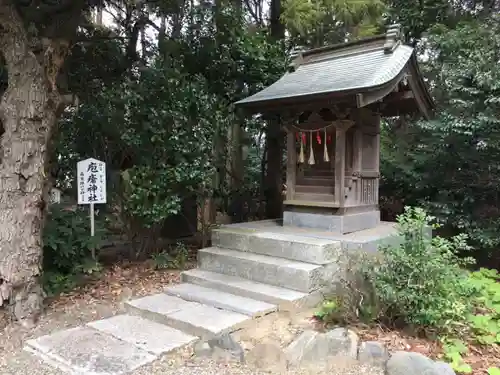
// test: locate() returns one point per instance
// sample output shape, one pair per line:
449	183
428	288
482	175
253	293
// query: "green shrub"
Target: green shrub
55	283
481	326
329	312
66	239
67	247
422	281
175	258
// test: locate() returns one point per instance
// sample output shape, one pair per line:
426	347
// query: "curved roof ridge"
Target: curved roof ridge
390	69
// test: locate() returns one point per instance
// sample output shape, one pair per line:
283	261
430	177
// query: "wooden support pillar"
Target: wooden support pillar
376	151
291	165
340	166
357	150
376	146
274	179
357	162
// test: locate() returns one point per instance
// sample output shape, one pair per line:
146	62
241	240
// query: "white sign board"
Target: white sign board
91	181
55	195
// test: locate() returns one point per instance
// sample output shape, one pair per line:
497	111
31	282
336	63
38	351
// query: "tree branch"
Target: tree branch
53	20
13	37
153	25
252	12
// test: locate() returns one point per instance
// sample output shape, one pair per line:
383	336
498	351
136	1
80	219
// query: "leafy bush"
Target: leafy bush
422	281
55	283
67	247
66	239
174	259
481	326
329	311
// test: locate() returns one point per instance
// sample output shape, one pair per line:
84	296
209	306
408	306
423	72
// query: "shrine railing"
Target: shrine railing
367	187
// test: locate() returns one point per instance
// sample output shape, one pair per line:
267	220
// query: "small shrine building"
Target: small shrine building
331	106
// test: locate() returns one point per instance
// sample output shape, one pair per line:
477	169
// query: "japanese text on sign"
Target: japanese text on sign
91	181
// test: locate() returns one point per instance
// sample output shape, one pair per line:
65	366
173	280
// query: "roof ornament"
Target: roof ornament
296	56
392	38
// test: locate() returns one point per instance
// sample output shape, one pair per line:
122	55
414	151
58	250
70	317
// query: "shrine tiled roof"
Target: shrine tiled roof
345	68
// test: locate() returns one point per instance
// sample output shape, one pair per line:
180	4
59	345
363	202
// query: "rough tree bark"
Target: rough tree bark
28	112
274	176
274	138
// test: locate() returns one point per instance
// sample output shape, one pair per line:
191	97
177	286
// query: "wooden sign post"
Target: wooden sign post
91	187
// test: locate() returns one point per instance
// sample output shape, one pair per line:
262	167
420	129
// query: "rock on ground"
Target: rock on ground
407	363
373	352
312	346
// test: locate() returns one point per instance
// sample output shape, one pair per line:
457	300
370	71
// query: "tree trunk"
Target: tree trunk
273	184
274	181
277	27
236	166
28	112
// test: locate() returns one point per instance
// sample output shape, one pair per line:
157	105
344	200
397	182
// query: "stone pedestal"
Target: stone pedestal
338	224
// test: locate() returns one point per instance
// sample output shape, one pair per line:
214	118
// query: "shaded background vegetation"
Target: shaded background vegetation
151	91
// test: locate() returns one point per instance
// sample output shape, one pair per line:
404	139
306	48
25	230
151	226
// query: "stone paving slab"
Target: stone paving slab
221	300
161	304
145	334
206	321
190	317
85	351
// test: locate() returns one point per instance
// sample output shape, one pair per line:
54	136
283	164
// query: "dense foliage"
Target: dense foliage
422	284
68	248
154	130
415	266
164	129
162	118
449	165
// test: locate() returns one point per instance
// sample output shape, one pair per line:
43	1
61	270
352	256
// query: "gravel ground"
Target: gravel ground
15	361
279	327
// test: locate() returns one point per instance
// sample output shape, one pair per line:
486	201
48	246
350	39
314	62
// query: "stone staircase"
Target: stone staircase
247	273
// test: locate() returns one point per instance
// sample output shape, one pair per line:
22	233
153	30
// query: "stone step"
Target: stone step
304	277
145	334
312	172
316	181
286	299
281	245
314	189
84	350
190	317
221	300
314	197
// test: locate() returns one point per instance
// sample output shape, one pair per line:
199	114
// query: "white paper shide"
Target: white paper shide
91	181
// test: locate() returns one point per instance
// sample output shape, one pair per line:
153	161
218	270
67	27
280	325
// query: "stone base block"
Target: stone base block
341	224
